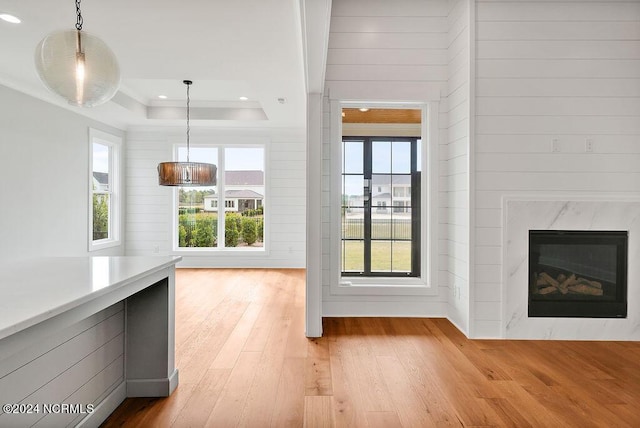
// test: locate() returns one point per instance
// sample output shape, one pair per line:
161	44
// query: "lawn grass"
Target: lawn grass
386	256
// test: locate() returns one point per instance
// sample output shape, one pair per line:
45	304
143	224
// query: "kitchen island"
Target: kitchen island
80	334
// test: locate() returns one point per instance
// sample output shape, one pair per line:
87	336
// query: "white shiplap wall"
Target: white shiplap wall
455	164
390	51
150	206
566	70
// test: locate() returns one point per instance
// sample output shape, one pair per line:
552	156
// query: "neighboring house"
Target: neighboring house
100	181
244	190
235	201
385	194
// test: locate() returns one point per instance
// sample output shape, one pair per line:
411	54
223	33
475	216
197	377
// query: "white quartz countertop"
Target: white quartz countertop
34	290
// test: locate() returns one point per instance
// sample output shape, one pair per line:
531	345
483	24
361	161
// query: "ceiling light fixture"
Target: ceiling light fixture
10	18
162	97
363	109
244	98
187	173
78	66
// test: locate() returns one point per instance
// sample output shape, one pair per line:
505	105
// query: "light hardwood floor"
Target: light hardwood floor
244	361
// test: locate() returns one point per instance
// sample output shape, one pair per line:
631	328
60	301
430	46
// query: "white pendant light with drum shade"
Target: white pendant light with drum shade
78	66
187	173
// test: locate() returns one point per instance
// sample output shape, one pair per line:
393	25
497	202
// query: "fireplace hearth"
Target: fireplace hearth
578	273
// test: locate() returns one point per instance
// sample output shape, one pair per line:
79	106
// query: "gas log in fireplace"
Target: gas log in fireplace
578	273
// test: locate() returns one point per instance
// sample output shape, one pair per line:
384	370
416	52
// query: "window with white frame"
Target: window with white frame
240	194
104	190
352	120
395	250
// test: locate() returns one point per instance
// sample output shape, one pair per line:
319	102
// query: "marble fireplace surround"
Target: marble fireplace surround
522	215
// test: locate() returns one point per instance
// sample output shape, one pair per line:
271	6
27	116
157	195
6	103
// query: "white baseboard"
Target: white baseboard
414	309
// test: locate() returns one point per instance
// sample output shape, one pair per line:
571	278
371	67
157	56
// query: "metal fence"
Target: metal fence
400	229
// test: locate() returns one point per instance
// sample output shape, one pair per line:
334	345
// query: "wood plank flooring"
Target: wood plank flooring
244	361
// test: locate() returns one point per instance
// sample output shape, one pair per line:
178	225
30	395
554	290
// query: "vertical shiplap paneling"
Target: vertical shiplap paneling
457	164
398	47
150	206
565	70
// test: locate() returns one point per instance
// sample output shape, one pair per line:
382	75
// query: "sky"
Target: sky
100	158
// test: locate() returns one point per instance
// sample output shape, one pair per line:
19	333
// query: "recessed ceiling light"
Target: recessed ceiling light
363	109
10	18
344	114
162	97
244	98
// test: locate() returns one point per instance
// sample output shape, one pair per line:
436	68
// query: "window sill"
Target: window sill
384	287
222	252
102	244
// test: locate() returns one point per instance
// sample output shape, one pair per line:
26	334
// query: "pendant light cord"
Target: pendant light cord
188	83
79	21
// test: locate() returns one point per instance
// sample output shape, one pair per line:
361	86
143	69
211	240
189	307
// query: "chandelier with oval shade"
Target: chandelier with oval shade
78	66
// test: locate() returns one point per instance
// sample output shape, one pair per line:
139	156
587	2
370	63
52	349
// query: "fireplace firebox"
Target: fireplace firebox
580	274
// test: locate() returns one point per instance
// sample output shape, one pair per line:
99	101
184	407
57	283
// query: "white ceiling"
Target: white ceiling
229	49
